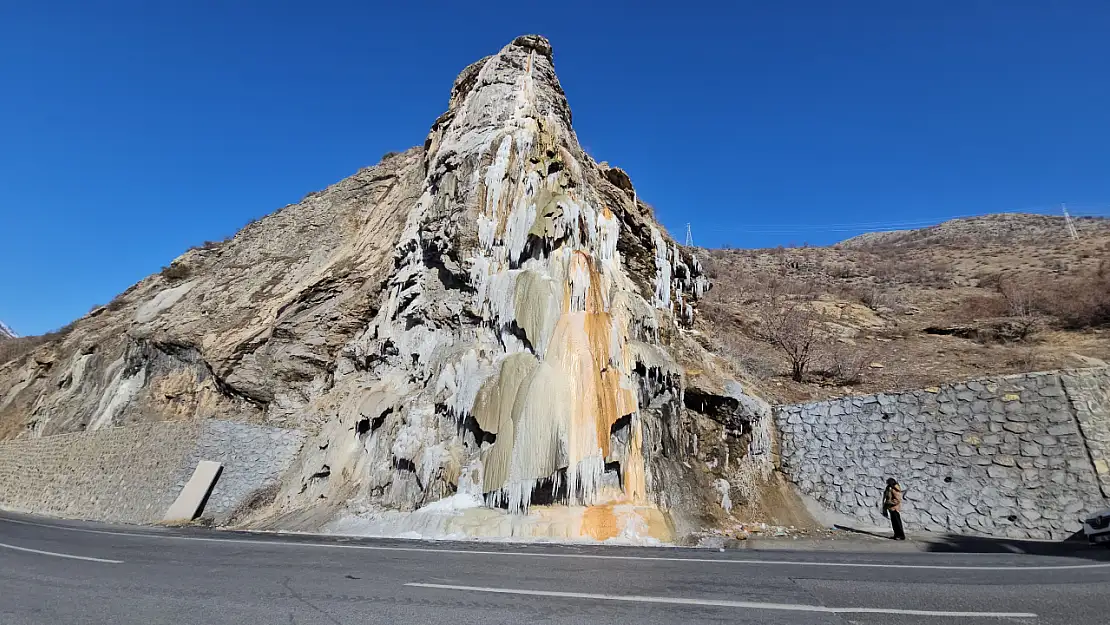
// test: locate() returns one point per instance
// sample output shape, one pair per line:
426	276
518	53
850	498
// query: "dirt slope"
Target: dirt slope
915	308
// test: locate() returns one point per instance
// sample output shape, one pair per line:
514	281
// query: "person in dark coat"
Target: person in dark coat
892	507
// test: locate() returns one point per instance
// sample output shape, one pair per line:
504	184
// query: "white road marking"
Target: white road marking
60	555
751	605
583	556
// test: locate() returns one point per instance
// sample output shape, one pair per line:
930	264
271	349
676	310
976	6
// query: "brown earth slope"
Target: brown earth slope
1002	293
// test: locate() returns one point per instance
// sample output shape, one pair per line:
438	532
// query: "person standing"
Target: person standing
892	507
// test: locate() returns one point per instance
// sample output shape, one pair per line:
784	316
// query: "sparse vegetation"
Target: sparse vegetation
998	294
795	329
177	271
14	349
848	364
1021	306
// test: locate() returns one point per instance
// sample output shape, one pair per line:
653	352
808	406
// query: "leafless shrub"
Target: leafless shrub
892	268
1079	302
795	329
981	307
743	355
1026	359
1058	265
711	266
843	271
1076	302
177	271
875	297
1021	306
847	364
988	279
14	349
116	304
717	313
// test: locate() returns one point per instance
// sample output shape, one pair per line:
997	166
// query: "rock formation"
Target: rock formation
484	335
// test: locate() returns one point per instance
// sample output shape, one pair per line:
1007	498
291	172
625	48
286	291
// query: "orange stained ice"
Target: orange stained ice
606	521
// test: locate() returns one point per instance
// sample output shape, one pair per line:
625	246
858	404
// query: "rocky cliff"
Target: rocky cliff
483	335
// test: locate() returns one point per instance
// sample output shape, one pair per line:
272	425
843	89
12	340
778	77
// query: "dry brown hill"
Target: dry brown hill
1001	293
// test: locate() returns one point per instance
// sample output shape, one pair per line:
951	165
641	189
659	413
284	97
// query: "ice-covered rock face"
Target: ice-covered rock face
6	332
515	354
481	336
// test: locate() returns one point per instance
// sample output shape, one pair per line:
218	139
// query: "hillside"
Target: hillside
492	319
1002	293
489	334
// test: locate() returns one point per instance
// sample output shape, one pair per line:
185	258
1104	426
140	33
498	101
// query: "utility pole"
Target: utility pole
689	237
1071	226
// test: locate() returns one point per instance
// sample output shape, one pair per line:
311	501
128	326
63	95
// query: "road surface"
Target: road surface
55	572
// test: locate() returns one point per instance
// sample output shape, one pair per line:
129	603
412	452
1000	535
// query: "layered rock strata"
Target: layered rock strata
489	327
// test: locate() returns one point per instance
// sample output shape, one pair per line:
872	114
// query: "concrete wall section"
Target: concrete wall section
1003	456
133	474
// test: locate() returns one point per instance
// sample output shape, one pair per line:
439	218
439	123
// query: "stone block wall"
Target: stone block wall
132	474
1089	394
253	457
1005	456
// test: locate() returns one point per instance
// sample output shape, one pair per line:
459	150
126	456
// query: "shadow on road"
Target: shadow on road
856	530
1075	546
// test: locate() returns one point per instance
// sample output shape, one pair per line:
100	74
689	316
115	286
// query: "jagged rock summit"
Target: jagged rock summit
483	336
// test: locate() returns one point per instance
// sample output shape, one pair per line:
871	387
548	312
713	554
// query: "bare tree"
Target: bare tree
795	329
1021	306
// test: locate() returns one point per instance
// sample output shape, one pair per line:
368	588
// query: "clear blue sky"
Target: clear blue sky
133	130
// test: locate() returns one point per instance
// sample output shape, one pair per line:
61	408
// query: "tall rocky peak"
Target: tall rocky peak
492	325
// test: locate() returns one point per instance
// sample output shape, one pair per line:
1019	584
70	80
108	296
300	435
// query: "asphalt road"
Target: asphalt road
55	572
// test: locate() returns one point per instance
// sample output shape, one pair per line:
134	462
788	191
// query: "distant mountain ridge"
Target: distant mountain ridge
995	228
6	332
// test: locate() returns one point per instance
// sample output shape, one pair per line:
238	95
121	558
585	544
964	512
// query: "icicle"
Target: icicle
495	177
723	487
662	270
579	278
608	234
584	479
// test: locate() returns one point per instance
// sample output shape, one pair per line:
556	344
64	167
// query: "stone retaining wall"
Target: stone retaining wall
1089	395
132	474
1016	456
